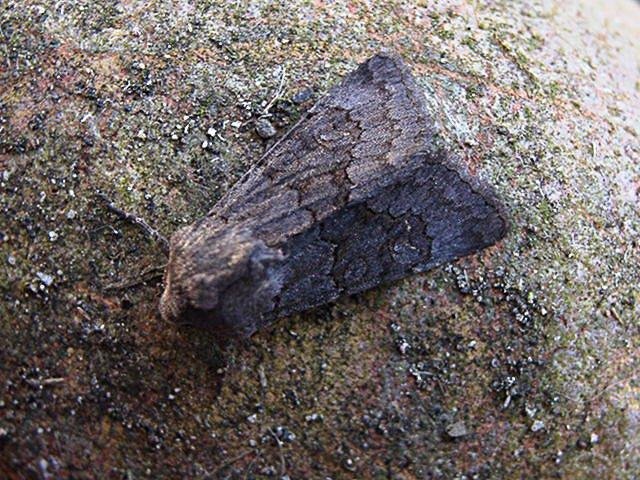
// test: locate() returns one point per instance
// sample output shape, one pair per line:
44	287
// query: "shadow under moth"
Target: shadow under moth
355	195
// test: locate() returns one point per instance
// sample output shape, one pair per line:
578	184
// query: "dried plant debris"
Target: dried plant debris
354	196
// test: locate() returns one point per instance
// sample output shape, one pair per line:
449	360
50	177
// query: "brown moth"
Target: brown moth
354	196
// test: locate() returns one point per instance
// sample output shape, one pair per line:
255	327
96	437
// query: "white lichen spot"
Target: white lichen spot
537	426
45	278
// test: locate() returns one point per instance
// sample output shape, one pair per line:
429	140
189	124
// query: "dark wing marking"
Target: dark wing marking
353	139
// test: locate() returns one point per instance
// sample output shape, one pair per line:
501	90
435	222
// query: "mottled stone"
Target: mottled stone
265	129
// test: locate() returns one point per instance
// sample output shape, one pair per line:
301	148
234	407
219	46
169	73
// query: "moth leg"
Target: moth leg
150	274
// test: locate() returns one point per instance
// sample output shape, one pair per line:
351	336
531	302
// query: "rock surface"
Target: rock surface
541	98
265	129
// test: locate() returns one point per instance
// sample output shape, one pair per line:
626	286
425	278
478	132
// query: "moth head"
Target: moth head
221	278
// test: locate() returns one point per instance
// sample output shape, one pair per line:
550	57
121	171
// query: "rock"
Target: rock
314	417
537	426
45	278
265	129
302	96
269	471
457	429
284	434
403	346
544	106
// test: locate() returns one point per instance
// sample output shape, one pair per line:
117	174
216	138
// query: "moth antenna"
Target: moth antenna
139	222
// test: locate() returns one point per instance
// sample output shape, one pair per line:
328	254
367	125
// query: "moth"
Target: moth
355	195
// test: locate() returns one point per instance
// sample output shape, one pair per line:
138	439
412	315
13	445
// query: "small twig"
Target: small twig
616	317
612	385
232	461
283	465
140	222
251	464
278	94
263	378
151	273
52	381
45	382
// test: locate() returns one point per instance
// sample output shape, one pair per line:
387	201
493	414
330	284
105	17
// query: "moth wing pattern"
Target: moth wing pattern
429	217
355	137
354	196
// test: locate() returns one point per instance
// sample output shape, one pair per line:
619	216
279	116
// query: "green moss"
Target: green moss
553	89
470	42
546	211
445	32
